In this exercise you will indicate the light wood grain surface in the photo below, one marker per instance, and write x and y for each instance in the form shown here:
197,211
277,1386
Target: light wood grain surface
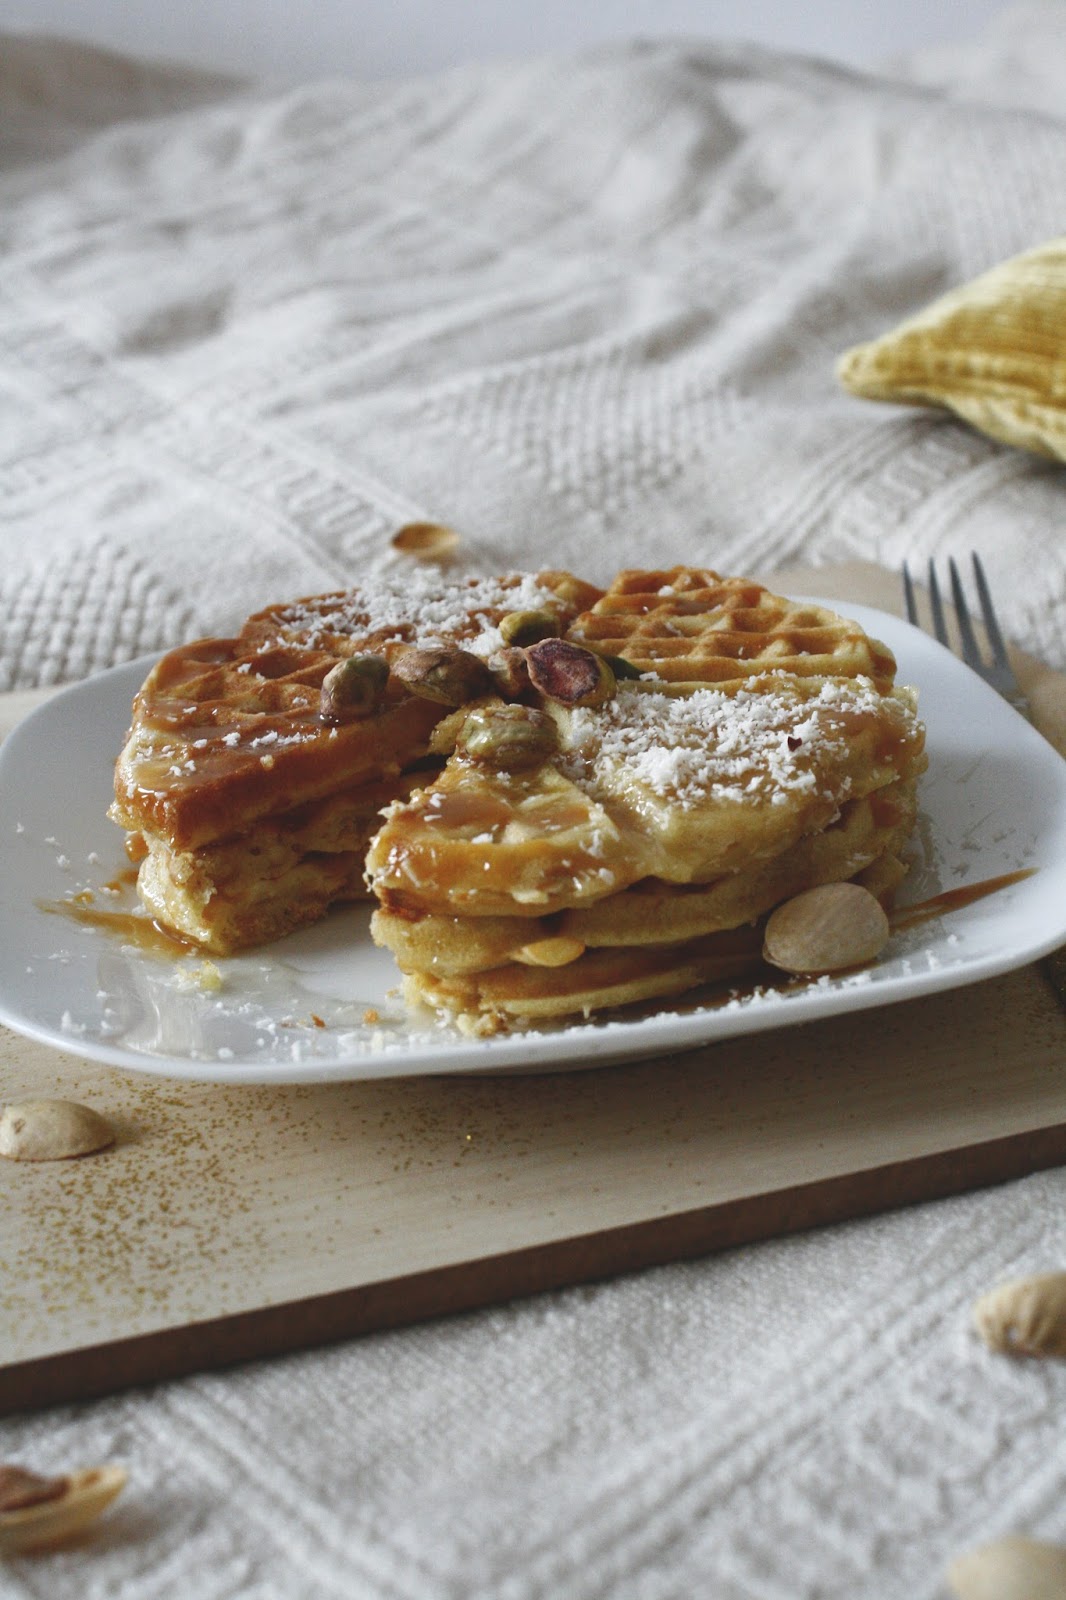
227,1223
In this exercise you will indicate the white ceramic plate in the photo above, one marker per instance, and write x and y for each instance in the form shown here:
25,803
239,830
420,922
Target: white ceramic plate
323,1005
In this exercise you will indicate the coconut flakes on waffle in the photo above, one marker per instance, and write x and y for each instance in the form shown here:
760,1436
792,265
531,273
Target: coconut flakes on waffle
411,605
756,743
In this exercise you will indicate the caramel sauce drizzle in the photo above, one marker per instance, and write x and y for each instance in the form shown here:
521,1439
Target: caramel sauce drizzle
130,927
146,934
953,900
722,993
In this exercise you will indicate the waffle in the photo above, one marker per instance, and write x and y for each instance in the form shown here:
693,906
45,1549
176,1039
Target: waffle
680,788
418,607
600,980
555,977
763,749
866,838
282,874
688,625
228,748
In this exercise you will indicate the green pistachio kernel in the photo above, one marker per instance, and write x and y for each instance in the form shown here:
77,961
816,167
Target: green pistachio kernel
354,688
527,627
508,737
447,675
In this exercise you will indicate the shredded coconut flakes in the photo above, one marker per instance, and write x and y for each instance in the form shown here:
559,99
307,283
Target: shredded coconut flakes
741,746
392,605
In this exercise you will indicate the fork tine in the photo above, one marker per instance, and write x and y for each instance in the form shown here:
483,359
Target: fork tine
998,673
995,638
940,627
971,650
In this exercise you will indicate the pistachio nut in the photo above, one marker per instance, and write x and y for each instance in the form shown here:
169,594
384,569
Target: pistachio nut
354,688
447,675
39,1513
52,1130
1025,1316
569,673
827,929
620,666
527,627
428,541
507,737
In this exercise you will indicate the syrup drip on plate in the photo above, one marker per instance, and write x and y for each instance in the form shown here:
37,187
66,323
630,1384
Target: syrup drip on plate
953,900
130,927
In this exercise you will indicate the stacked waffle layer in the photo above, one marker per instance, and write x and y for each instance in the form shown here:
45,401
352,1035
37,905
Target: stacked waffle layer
638,861
627,784
249,801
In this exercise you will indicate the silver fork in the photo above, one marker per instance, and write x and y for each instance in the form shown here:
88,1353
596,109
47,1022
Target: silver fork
998,671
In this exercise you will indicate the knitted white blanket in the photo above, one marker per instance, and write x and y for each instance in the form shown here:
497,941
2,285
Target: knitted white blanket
586,310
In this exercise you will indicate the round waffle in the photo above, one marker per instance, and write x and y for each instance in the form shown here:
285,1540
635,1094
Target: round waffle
688,625
418,605
227,731
598,980
224,735
681,788
651,912
282,874
607,853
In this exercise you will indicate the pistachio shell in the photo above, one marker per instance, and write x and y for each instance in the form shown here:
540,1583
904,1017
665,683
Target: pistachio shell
1025,1316
48,1522
828,929
510,672
1013,1568
19,1488
428,541
52,1130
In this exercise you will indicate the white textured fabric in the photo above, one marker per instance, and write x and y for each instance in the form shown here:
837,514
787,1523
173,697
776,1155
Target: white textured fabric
584,309
587,311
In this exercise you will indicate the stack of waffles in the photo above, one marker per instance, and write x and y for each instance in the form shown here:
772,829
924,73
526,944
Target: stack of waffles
561,799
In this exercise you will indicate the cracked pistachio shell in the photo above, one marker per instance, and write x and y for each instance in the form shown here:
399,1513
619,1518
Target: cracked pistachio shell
52,1130
828,929
1025,1316
62,1509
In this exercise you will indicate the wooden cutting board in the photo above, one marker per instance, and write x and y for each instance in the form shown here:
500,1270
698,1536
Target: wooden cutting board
232,1223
